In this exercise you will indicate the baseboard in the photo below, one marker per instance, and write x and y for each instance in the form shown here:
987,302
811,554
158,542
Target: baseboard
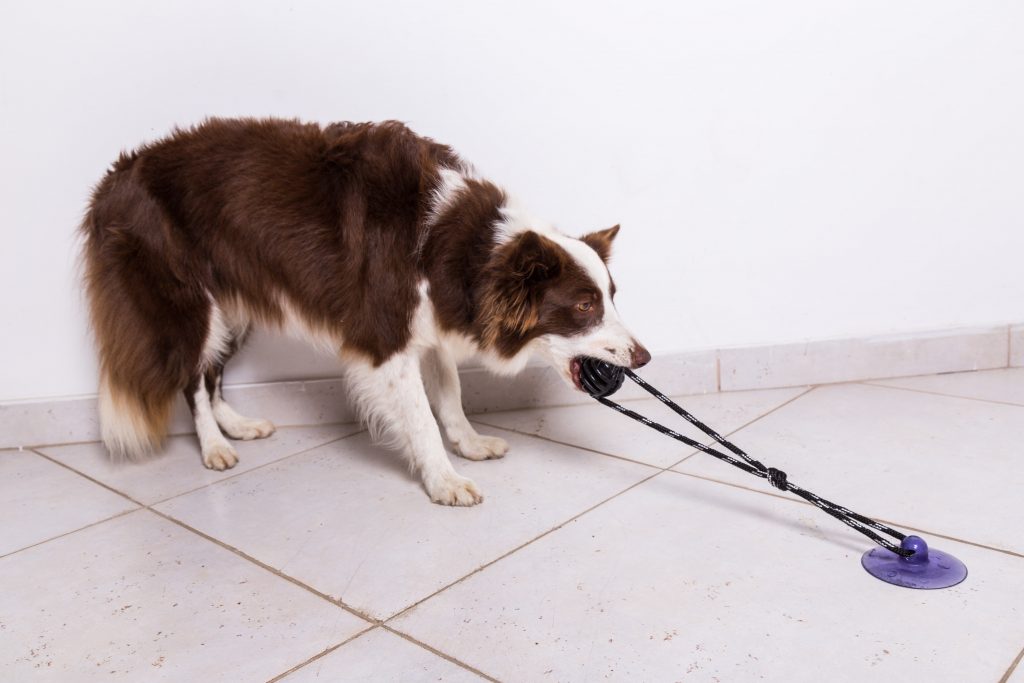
1017,346
33,423
849,360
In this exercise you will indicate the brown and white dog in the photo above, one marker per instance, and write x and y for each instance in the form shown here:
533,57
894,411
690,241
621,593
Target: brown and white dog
371,241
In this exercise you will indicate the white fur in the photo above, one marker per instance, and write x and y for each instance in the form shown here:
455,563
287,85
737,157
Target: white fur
392,399
441,377
238,426
516,219
218,336
218,454
443,198
123,426
211,413
425,330
295,325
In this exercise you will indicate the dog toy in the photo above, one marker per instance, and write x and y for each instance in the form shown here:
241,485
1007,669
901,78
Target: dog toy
910,563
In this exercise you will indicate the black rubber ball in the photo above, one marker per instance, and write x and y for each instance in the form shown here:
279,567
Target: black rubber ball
601,379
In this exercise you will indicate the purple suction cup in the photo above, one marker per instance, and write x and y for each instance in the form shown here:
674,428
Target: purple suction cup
926,569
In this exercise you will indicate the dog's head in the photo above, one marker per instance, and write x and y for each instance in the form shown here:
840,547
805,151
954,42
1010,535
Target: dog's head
555,293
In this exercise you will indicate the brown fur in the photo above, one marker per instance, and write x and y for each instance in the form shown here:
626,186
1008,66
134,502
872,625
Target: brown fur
601,241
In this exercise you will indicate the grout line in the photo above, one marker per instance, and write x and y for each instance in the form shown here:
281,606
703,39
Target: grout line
439,653
734,485
267,567
948,537
326,652
520,546
718,371
1012,348
258,467
1013,667
871,383
90,478
297,425
68,533
58,444
212,483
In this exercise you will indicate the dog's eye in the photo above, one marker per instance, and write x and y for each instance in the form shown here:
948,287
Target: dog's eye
584,306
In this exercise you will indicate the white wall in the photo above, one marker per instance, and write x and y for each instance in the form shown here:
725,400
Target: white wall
783,171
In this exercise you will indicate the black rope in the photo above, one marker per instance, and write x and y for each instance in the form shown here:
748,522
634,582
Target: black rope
602,379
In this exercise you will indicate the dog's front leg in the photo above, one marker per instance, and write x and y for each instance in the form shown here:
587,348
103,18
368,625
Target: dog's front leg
392,399
442,379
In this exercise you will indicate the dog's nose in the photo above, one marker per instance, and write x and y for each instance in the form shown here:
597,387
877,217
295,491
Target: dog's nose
641,356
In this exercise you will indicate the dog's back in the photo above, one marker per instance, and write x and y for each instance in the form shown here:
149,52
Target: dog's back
191,238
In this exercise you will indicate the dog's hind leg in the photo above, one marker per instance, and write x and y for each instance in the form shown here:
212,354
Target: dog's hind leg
221,340
236,426
392,399
218,454
441,376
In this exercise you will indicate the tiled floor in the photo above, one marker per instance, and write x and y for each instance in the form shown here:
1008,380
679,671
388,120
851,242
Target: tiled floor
602,551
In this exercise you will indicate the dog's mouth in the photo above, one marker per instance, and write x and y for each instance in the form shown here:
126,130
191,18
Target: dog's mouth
575,368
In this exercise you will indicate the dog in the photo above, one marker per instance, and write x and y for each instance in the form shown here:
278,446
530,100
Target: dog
379,245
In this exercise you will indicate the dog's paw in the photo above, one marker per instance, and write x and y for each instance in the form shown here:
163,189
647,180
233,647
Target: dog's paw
247,429
220,457
452,489
480,447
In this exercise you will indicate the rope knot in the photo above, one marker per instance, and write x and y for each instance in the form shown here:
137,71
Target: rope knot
777,478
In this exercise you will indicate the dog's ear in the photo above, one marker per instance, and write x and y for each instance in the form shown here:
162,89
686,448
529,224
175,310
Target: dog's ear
516,280
534,258
601,241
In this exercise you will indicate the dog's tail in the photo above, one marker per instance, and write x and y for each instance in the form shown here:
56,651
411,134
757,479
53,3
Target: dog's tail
132,424
144,358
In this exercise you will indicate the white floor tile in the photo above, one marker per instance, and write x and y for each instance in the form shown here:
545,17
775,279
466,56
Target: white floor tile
349,519
40,500
1006,385
179,467
381,657
139,598
600,428
947,465
682,579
